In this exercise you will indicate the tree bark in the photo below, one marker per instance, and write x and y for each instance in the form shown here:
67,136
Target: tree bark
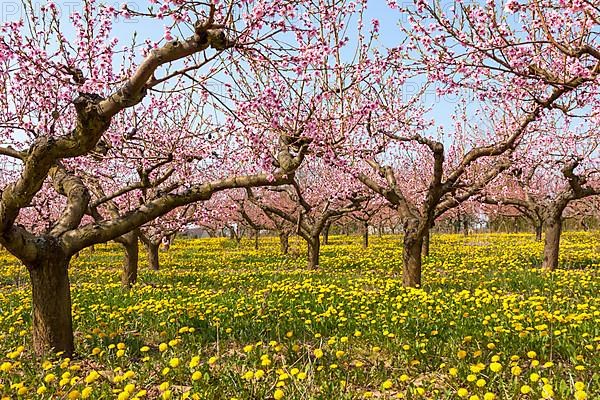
326,233
153,257
411,254
256,234
314,249
284,243
425,245
552,241
365,234
538,232
130,261
52,321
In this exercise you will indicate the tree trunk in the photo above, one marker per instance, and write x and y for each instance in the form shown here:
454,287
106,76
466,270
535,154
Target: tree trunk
538,232
314,249
256,234
552,241
326,233
284,243
130,262
52,321
365,234
411,254
92,249
153,257
425,245
380,231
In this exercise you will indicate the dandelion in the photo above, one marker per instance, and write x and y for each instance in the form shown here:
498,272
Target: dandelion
196,376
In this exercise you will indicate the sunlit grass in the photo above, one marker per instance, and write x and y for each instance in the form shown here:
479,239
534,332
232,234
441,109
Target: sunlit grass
221,322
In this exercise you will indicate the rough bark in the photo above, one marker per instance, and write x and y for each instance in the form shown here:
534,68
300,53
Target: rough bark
256,236
153,257
284,243
130,262
552,241
411,271
365,234
314,250
52,321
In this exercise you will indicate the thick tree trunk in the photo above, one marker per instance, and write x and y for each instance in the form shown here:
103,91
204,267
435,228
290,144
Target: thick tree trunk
284,243
130,261
552,242
365,234
411,253
538,232
256,235
52,321
411,271
314,249
425,245
380,231
153,256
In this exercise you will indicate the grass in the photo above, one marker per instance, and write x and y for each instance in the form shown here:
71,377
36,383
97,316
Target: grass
220,322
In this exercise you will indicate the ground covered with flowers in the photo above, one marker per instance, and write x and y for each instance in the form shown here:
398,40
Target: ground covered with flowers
221,321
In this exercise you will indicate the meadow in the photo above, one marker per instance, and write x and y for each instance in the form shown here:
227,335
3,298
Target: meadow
221,321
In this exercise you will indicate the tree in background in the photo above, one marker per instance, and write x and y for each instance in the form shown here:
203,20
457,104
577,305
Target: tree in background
69,102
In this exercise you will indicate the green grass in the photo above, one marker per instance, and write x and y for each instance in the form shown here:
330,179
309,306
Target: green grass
483,295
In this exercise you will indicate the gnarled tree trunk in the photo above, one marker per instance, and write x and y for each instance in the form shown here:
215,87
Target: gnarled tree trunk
411,254
52,321
284,243
365,234
256,235
552,240
129,274
314,250
153,256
